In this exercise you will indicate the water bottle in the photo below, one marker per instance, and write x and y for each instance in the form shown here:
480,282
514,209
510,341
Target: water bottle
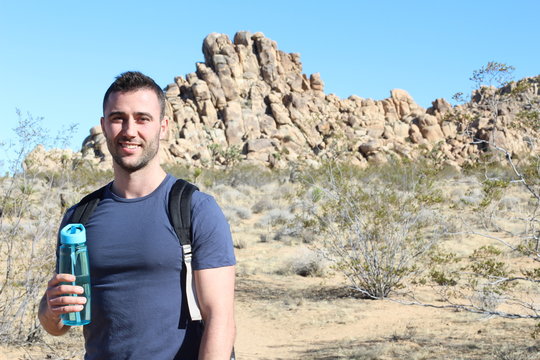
73,259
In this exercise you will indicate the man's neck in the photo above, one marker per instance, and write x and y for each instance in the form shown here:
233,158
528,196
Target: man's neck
137,184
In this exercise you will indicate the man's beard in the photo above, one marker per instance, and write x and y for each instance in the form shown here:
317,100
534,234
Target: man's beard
148,154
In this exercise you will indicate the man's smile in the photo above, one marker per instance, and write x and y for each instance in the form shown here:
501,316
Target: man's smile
125,145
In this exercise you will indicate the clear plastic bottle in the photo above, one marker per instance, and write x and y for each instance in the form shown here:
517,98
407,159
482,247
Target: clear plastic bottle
73,259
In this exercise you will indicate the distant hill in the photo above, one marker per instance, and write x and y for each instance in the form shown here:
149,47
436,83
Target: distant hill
250,101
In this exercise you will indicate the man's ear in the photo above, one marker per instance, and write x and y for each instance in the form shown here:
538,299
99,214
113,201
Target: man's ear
101,122
164,128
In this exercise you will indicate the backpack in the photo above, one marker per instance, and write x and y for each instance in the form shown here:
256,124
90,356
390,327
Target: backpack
180,216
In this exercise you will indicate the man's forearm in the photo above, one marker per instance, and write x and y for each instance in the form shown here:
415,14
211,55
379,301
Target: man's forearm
51,323
215,292
218,339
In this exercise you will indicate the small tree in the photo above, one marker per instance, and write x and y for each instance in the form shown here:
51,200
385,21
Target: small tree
228,157
373,231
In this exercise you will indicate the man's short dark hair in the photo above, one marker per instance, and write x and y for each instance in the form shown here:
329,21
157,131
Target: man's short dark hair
133,81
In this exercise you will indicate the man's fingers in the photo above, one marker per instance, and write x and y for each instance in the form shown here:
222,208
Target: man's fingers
58,278
58,293
64,289
67,300
66,309
66,304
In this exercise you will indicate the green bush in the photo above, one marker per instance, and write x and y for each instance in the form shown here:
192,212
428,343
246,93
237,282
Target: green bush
371,224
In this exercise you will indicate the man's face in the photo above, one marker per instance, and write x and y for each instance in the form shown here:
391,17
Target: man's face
132,126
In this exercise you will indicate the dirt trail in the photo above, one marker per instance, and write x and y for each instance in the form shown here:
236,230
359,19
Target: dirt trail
293,319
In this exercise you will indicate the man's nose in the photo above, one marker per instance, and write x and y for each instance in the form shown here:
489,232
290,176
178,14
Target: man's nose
128,128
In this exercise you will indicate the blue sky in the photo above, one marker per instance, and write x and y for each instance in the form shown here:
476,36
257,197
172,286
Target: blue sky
58,57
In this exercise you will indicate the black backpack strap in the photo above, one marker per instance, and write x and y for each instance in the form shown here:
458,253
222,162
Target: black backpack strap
86,207
180,215
180,209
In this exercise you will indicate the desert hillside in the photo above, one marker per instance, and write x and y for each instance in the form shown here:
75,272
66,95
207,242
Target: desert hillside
251,102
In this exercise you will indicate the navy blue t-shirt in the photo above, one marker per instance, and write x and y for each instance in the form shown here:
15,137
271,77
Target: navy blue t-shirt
135,266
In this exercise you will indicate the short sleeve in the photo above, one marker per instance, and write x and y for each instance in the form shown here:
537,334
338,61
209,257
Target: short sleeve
212,239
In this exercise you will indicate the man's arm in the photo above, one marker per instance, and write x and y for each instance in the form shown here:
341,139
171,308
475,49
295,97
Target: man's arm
54,303
215,293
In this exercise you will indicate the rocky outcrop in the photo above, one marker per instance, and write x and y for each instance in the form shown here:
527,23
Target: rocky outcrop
250,96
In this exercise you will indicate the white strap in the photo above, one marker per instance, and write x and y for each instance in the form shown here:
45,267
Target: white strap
191,296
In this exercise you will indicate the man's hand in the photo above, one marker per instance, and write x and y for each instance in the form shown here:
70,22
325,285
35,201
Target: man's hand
57,301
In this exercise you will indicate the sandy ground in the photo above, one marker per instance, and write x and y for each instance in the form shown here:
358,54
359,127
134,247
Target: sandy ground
309,318
326,322
294,317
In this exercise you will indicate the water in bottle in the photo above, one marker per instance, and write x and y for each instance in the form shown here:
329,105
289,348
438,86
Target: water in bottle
73,259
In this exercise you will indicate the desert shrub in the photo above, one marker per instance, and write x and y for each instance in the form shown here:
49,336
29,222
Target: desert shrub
250,175
262,205
249,192
282,191
226,156
234,176
235,214
286,233
230,215
240,243
510,352
242,212
240,174
456,195
31,212
508,203
275,217
294,233
305,262
472,197
375,234
228,195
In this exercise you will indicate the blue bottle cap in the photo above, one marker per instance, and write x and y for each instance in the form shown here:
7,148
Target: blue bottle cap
73,234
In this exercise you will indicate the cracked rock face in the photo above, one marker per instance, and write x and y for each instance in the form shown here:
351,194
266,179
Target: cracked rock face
253,96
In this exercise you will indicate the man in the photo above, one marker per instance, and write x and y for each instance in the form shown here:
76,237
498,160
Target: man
135,256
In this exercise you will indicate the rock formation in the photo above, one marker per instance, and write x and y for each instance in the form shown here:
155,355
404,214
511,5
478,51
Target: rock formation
252,100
